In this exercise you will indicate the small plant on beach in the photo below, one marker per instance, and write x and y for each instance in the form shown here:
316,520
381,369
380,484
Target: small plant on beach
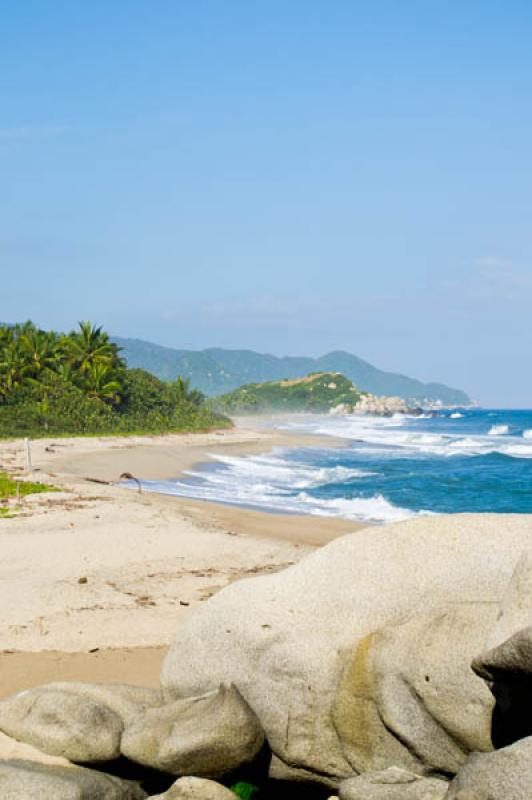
245,790
12,488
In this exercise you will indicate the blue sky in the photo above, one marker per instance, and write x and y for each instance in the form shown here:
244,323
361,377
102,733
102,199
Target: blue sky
293,177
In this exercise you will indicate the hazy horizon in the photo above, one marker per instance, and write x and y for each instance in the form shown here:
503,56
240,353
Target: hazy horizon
293,179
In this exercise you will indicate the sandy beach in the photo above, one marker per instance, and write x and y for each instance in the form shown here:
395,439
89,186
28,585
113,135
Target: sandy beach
96,578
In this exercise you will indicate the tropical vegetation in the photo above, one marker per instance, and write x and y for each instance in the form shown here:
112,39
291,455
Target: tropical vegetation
76,383
10,489
317,392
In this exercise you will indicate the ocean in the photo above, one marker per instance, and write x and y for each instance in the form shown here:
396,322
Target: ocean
386,469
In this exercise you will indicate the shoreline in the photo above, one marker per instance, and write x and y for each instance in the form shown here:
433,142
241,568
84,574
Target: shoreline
99,567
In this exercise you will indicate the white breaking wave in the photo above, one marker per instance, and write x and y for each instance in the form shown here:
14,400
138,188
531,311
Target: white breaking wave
518,451
391,437
456,415
498,430
369,509
279,472
279,484
290,481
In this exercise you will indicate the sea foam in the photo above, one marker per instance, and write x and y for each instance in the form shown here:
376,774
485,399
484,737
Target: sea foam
387,469
498,430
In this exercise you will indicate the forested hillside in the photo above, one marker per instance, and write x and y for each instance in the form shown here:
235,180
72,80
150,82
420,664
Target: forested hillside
216,370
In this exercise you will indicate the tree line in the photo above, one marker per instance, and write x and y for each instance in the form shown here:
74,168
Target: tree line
78,382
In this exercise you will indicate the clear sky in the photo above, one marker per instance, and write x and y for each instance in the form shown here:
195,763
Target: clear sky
292,176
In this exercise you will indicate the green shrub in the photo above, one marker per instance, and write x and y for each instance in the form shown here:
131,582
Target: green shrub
246,791
318,392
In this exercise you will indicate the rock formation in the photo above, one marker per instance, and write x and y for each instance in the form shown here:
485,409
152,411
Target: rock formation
333,654
379,406
393,664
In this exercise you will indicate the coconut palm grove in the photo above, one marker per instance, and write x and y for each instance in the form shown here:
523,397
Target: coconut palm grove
78,382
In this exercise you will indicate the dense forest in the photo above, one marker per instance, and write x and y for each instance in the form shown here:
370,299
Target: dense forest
75,383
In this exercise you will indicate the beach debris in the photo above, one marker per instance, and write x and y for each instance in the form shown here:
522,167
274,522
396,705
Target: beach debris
83,580
20,780
127,476
207,736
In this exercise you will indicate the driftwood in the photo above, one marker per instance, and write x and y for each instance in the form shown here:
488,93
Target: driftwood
127,476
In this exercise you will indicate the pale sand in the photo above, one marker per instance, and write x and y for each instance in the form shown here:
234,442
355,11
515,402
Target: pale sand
100,566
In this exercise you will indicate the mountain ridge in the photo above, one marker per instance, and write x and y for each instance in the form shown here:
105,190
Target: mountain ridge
218,370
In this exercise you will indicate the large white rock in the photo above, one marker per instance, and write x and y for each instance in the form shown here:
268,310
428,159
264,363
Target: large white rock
62,724
78,721
208,736
515,611
286,640
505,774
27,780
192,788
409,696
392,784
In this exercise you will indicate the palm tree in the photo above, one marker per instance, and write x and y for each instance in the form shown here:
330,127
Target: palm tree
13,368
6,336
89,346
100,381
39,349
186,394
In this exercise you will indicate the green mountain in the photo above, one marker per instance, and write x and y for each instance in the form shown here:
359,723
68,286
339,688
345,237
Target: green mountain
317,392
215,371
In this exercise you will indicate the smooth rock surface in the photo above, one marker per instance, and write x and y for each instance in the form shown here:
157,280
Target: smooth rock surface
12,749
516,606
511,660
126,701
504,774
207,736
189,788
26,780
392,784
78,721
409,696
62,724
285,640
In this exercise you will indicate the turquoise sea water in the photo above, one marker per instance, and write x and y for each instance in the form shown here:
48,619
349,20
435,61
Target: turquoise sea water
387,469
